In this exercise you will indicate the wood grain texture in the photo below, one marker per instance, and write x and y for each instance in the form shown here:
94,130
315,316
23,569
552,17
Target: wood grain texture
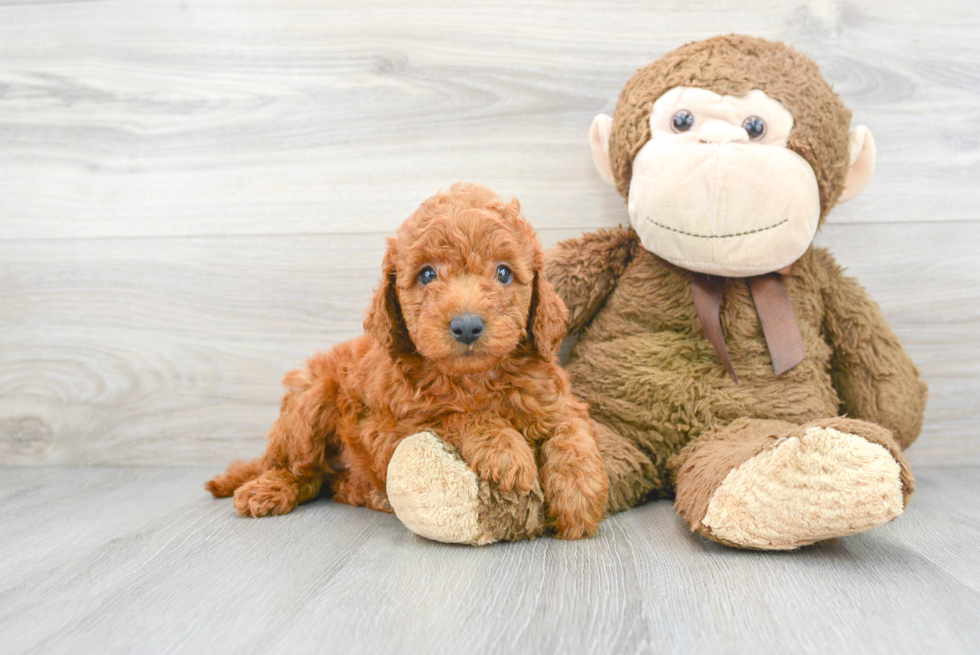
150,351
193,196
270,117
141,560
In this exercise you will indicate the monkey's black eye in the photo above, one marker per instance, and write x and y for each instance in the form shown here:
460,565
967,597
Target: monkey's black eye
682,121
755,126
504,274
426,275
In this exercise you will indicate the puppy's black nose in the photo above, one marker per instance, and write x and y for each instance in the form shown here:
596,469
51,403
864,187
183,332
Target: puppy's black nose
466,328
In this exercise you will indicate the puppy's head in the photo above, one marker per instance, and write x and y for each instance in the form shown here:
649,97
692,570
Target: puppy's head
463,287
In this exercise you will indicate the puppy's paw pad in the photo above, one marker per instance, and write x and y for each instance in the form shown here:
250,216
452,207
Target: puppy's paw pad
821,485
510,469
434,492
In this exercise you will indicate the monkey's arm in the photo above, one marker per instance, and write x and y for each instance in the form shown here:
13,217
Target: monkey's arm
584,270
874,376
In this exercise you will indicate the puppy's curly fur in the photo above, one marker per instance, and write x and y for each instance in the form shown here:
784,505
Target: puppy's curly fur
503,400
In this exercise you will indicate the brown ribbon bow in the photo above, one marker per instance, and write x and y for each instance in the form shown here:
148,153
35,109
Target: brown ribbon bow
775,313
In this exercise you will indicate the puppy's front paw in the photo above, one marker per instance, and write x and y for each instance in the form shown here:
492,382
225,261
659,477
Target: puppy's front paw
580,516
510,468
576,498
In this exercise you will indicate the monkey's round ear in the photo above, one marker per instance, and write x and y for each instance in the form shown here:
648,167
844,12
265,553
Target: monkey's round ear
862,164
599,142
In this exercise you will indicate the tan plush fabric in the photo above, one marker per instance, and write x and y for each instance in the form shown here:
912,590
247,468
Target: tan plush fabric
733,487
817,485
649,374
438,496
712,200
434,493
862,165
734,65
704,464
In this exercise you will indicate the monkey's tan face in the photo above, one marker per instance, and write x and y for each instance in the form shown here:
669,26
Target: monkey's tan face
716,190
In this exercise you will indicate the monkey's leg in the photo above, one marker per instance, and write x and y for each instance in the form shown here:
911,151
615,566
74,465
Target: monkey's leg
436,494
773,485
632,476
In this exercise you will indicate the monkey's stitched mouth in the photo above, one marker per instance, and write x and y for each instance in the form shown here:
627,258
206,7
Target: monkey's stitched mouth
716,236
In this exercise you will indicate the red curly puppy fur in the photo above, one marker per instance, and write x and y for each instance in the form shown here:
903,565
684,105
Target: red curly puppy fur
502,399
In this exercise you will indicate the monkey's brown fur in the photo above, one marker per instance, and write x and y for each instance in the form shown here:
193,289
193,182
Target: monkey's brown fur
504,402
642,361
648,372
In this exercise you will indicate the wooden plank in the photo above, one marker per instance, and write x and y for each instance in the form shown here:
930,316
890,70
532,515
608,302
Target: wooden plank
170,351
115,560
261,117
863,593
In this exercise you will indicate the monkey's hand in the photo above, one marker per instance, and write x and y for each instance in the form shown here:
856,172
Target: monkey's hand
873,374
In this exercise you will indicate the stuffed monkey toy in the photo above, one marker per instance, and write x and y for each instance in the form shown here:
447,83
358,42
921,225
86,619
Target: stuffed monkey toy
727,362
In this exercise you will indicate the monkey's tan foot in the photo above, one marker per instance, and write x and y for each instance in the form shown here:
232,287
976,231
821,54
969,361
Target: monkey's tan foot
436,494
771,485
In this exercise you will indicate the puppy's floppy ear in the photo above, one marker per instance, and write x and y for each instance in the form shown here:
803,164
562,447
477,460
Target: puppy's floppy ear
384,319
547,319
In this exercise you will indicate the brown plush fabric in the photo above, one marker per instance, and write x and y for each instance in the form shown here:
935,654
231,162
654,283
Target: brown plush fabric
597,260
734,65
701,467
650,375
668,418
631,473
511,515
642,360
876,379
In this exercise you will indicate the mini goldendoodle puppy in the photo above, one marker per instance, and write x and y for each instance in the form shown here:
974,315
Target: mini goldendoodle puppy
461,340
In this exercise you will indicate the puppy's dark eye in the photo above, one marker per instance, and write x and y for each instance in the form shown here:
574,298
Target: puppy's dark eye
682,121
504,274
426,275
755,126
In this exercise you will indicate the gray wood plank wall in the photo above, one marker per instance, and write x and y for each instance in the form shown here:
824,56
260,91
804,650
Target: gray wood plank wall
194,195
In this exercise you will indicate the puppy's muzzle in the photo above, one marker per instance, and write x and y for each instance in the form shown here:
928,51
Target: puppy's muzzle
466,328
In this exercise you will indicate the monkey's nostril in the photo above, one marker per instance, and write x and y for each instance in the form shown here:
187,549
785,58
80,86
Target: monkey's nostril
466,328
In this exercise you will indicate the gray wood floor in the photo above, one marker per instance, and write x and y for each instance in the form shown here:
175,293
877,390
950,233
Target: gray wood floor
194,196
141,560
